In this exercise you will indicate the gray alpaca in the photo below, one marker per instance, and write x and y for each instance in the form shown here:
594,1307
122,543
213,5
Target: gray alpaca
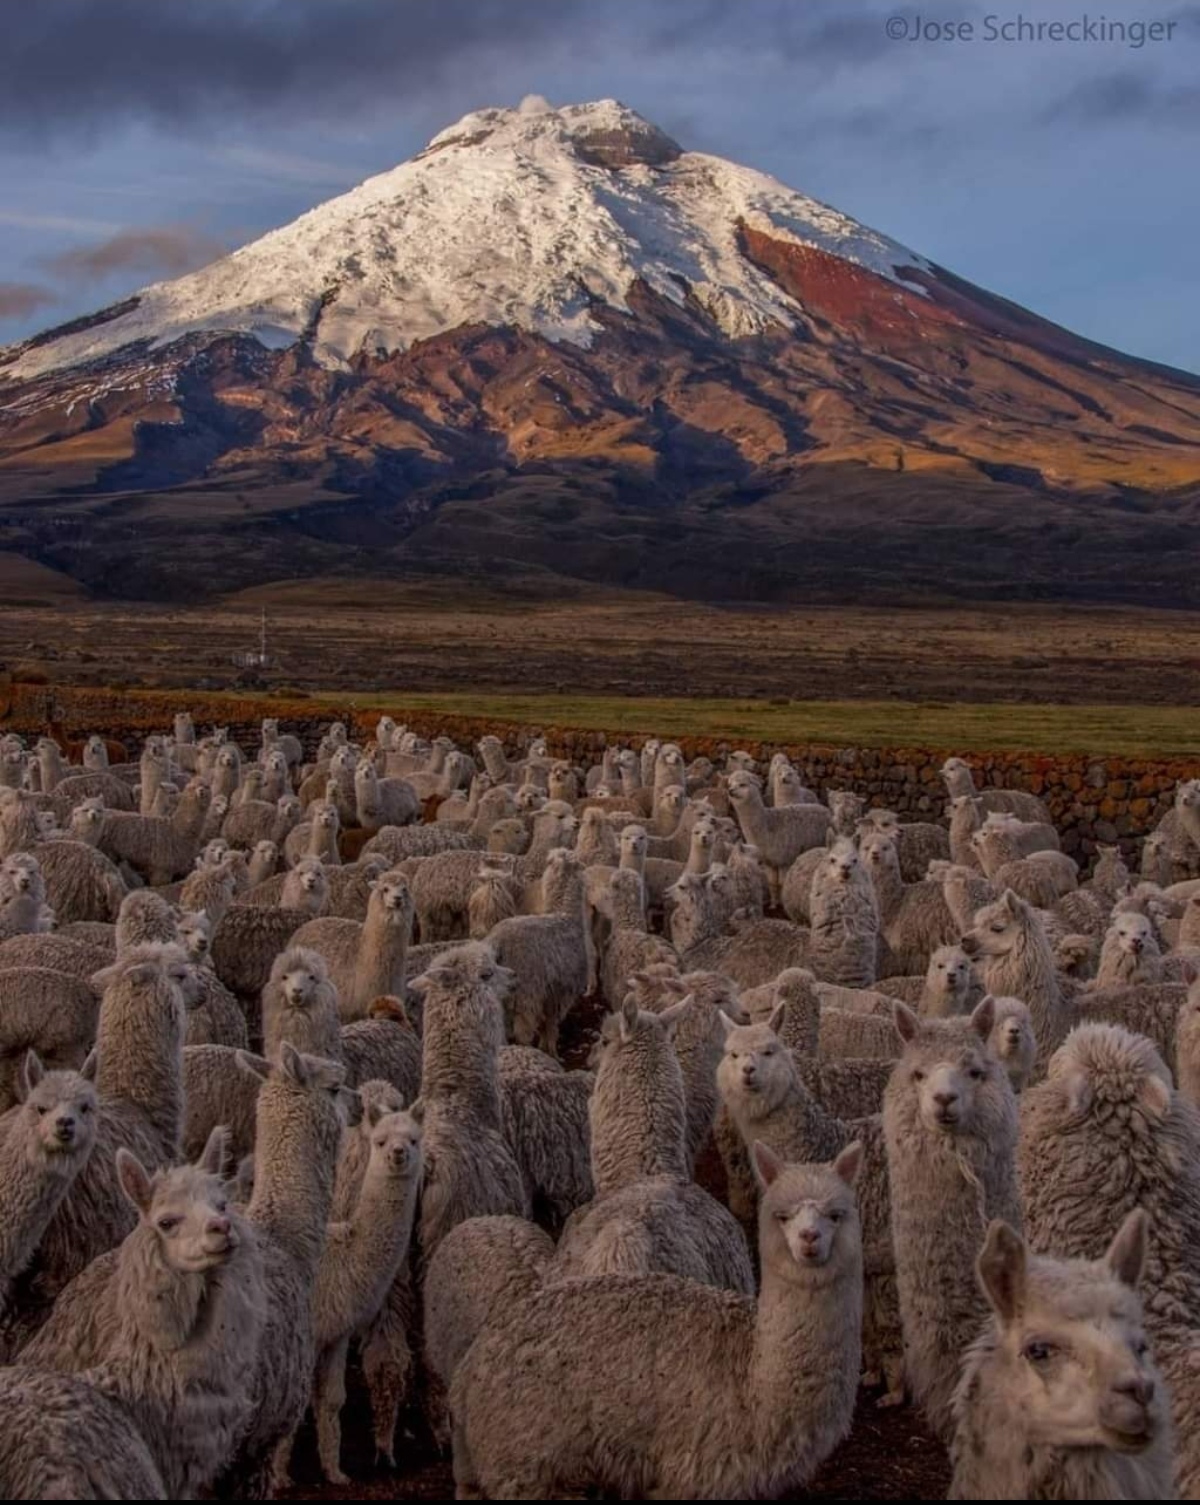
950,1123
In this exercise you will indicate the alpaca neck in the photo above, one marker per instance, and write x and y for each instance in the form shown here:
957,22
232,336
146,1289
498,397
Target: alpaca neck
188,819
322,843
637,1134
889,889
382,954
699,860
35,1184
801,1313
140,1047
293,1184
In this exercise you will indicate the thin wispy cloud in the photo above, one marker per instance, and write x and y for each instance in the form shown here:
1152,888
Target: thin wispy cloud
157,251
70,224
20,299
289,167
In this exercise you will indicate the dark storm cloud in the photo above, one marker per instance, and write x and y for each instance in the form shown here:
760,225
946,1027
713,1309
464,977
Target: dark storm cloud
75,63
1126,98
20,299
165,250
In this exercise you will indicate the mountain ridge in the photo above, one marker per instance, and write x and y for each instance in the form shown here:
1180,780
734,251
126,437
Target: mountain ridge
563,342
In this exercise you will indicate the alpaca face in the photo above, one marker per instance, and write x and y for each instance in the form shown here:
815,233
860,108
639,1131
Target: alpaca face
300,984
755,1067
1132,935
950,971
1070,1345
213,855
195,934
189,1215
20,875
999,928
393,896
808,1218
61,1106
396,1145
947,1077
878,852
1012,1041
841,863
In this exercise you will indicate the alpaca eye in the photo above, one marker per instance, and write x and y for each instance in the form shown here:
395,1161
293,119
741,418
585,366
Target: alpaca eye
836,1215
41,1112
976,1074
918,1076
168,1225
1038,1353
85,1108
782,1217
997,929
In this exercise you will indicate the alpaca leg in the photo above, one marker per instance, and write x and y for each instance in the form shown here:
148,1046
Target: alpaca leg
328,1401
387,1366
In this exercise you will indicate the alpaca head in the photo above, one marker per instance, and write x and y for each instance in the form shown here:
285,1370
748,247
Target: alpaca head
808,1220
20,874
395,1141
947,1067
1067,1348
301,978
185,1209
1000,927
840,865
59,1108
949,971
391,896
756,1068
1132,935
957,776
195,934
878,853
1012,1040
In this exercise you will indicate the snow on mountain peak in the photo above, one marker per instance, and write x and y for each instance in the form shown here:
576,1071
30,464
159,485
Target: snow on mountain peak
522,216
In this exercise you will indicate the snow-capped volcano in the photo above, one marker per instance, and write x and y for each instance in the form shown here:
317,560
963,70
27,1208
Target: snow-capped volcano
526,217
557,345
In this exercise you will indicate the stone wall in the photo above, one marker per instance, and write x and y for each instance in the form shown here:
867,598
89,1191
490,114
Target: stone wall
1091,798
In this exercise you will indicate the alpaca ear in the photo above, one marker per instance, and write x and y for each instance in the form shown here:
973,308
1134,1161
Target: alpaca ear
984,1017
1013,903
629,1018
1079,1093
373,1111
1155,1098
1001,1270
252,1065
767,1163
32,1072
778,1014
91,1063
672,1016
215,1155
906,1022
134,1180
1126,1256
416,1110
101,981
1190,973
849,1162
727,1024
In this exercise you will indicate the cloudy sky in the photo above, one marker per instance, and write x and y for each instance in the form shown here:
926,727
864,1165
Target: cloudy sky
140,138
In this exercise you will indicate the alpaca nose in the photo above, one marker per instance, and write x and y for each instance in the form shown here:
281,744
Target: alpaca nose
1137,943
64,1129
945,1099
218,1225
810,1239
1138,1387
749,1072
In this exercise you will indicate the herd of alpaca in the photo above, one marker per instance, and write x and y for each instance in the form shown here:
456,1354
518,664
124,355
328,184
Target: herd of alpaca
874,1106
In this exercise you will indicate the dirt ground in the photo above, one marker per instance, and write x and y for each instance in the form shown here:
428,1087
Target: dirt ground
344,639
